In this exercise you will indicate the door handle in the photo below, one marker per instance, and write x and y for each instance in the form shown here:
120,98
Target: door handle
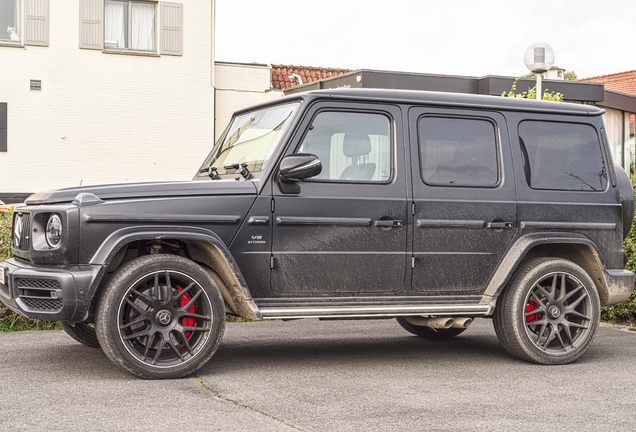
500,225
387,223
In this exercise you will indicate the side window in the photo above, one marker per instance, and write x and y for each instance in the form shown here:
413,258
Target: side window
351,146
562,156
458,151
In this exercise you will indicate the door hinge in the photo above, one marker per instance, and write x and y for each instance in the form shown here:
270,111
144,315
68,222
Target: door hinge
412,262
413,209
273,205
271,262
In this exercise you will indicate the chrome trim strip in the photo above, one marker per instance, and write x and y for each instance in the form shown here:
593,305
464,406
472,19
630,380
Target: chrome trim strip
444,223
531,225
373,311
289,220
165,218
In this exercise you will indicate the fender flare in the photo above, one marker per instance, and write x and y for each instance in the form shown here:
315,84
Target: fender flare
519,250
205,247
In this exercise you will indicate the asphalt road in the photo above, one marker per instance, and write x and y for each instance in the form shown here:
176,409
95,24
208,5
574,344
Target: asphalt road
322,376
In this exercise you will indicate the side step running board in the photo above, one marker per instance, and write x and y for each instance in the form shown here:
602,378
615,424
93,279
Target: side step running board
373,311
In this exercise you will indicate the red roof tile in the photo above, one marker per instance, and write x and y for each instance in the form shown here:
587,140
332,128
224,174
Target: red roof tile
281,73
624,82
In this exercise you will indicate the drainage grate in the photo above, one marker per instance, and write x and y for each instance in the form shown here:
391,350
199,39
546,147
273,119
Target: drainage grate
36,85
40,304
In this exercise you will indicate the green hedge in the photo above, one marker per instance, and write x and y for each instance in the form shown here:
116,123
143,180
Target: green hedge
9,321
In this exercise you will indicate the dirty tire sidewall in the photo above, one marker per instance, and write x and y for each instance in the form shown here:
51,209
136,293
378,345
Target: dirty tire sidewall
509,317
107,320
82,333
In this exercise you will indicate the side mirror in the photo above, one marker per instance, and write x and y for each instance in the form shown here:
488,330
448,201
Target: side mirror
295,168
299,166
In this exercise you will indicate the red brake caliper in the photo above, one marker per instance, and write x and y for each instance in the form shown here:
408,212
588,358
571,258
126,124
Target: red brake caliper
530,306
187,321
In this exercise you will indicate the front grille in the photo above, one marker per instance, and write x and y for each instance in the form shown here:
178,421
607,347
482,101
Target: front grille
44,284
22,231
49,305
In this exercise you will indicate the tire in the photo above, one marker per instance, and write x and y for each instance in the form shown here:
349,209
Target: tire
160,317
427,332
82,332
549,313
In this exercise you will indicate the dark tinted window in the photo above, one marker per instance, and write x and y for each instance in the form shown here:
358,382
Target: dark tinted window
562,156
458,151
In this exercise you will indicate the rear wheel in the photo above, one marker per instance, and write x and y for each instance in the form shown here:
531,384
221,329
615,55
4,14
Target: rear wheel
427,332
549,313
160,316
83,333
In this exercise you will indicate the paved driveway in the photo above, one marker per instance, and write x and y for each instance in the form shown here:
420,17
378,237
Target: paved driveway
322,376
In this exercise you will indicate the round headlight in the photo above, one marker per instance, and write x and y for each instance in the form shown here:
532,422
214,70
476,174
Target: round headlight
54,231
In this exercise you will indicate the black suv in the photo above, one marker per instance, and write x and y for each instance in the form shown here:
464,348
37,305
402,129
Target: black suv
431,208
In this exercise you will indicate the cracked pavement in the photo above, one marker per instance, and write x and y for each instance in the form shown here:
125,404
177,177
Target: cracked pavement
321,376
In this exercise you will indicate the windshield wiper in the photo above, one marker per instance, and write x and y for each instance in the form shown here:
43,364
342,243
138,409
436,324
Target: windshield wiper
242,169
212,172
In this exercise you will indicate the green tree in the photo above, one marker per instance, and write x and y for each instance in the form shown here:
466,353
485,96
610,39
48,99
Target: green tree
532,93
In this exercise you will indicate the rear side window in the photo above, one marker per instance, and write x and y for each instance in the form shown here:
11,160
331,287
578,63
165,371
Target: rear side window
562,156
458,151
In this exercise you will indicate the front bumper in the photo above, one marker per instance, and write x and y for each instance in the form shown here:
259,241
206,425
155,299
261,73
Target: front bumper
50,293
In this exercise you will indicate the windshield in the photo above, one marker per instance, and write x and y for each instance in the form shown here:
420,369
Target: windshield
250,140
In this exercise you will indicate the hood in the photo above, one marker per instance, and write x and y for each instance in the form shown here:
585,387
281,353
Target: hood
146,190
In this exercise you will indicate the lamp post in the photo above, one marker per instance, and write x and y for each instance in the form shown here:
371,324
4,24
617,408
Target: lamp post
539,58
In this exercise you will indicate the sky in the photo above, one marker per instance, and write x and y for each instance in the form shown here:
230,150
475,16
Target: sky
450,37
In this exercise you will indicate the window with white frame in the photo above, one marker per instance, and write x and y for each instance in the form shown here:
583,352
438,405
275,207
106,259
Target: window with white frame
24,22
129,25
10,20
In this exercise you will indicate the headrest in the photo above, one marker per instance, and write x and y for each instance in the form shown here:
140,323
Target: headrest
356,144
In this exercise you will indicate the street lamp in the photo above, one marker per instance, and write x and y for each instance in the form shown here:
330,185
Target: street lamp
539,58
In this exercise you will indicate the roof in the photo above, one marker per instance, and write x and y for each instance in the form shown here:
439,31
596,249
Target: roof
623,82
434,98
281,73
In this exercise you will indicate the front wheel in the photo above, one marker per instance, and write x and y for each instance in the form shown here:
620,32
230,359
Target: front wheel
549,313
160,316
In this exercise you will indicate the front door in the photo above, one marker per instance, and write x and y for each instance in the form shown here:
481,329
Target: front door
464,198
344,233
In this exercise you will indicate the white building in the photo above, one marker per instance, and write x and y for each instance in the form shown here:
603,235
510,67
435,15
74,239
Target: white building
239,85
102,91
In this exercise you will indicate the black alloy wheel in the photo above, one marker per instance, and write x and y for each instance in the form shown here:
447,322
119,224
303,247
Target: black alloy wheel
161,316
549,313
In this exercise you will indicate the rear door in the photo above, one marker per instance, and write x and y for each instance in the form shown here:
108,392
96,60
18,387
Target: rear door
343,234
464,198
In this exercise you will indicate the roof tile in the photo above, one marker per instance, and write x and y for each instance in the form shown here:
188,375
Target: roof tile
624,82
281,80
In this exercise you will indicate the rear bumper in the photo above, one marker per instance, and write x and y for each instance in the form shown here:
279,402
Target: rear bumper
620,285
49,293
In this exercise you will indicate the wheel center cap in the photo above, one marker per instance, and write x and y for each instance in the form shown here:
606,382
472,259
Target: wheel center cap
554,312
164,317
